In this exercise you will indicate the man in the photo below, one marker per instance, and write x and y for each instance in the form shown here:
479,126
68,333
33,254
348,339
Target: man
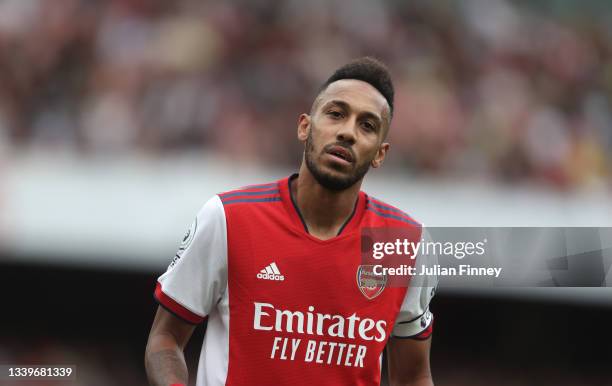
276,268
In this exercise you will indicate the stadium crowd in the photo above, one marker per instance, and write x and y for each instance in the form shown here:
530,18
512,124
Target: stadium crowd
491,89
503,90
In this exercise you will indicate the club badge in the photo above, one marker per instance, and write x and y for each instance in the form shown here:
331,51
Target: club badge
370,284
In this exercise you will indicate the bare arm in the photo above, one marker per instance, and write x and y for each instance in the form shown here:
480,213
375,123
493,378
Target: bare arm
164,359
408,361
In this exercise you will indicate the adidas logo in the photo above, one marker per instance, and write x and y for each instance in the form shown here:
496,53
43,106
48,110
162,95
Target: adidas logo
271,272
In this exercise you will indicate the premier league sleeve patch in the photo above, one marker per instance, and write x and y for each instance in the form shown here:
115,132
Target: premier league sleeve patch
185,243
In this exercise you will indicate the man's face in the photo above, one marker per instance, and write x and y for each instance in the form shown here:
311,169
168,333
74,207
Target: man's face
344,135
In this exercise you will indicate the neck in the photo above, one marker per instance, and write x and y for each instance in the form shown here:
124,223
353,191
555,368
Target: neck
324,211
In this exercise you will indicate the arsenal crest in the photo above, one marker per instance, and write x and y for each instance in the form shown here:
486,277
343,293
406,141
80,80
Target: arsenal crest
370,284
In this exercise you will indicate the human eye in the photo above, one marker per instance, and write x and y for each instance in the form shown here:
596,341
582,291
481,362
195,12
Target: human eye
335,114
368,126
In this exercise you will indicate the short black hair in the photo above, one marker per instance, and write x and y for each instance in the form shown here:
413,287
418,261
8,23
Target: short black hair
369,70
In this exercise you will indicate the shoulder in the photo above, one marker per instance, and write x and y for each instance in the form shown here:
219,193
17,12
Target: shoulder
380,211
260,193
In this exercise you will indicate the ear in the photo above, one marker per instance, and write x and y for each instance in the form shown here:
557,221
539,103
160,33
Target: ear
303,127
380,155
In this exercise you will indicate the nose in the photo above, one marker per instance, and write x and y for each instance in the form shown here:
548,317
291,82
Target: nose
346,132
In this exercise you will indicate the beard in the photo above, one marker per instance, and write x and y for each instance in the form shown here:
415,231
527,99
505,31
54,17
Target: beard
328,180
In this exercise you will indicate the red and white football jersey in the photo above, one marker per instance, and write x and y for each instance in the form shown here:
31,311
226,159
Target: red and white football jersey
284,307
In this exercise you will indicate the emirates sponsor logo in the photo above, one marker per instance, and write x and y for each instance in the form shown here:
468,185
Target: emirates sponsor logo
308,322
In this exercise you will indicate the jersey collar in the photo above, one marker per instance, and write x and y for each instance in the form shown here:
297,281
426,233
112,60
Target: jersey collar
351,223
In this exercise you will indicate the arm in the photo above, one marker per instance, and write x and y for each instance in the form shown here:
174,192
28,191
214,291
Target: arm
164,359
410,342
408,362
188,291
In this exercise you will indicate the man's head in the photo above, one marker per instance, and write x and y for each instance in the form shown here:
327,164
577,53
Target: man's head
349,120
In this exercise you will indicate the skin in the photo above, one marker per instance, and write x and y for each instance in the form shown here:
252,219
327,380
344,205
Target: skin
351,114
164,359
408,362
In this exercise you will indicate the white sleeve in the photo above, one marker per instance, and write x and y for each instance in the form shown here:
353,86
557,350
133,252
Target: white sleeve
197,276
415,320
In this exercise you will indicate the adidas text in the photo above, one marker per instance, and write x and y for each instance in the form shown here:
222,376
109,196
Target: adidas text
268,276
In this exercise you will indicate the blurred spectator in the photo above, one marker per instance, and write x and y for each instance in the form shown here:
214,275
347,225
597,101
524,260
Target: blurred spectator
485,88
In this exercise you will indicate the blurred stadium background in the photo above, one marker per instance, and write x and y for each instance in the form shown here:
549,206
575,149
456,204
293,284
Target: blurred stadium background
119,118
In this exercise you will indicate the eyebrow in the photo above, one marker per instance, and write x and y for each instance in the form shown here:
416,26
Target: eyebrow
344,105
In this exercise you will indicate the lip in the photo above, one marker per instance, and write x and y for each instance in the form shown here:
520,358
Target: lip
340,153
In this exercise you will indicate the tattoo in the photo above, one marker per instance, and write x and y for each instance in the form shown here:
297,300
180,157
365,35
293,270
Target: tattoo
166,367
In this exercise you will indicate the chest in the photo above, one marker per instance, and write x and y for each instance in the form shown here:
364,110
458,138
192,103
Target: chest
270,261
